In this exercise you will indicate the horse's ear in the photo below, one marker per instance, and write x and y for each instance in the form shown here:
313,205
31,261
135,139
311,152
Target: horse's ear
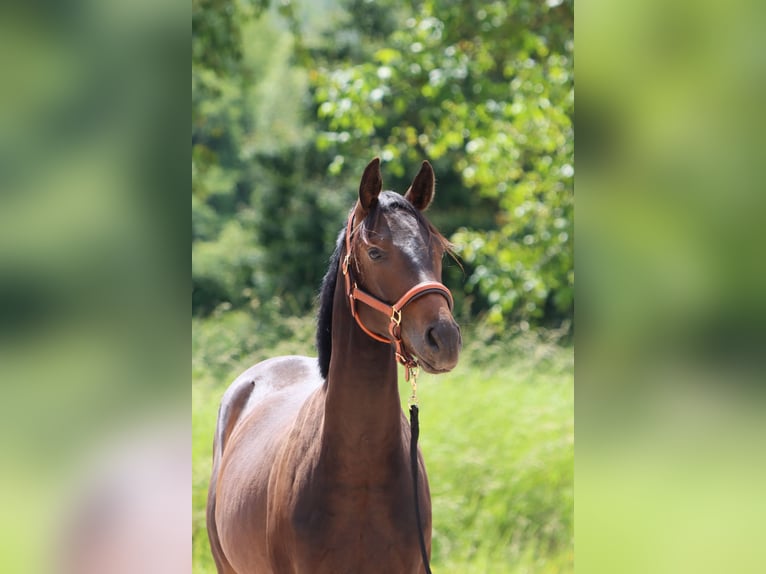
421,192
370,186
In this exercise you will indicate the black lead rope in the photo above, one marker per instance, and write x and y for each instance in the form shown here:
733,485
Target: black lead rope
414,432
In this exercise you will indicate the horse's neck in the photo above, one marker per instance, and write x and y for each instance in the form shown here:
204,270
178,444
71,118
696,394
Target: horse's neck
362,422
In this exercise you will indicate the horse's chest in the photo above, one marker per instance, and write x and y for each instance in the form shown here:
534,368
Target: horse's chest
364,548
358,532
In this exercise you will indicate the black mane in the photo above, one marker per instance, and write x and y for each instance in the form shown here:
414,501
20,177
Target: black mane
324,316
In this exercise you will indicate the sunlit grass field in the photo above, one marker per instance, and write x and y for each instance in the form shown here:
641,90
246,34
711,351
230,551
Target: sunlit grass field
497,435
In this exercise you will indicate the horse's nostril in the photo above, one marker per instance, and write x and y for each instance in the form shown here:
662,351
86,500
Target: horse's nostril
432,338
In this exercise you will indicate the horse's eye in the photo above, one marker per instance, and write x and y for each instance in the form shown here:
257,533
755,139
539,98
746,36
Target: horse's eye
374,253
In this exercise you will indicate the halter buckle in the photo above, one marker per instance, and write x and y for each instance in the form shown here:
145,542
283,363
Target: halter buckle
346,260
396,316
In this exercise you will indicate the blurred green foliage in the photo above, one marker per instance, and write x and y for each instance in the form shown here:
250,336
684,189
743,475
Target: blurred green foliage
290,102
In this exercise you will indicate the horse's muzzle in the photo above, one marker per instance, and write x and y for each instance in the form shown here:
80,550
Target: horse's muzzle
438,347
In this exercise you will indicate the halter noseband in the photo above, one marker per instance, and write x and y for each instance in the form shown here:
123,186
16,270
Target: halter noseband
394,311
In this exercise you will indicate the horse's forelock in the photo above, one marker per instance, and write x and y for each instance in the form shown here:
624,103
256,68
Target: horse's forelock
392,201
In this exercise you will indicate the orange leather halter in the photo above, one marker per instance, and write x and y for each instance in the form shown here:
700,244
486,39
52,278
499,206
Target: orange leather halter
393,311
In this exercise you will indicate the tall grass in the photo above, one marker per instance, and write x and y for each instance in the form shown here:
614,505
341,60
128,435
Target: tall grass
497,434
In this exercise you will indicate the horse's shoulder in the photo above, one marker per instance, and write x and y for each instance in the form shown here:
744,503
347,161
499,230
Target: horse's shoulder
288,376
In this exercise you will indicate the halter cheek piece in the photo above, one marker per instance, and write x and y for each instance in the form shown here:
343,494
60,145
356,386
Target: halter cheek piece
394,311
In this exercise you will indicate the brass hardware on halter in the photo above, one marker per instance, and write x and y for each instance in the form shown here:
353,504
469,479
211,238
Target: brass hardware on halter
396,316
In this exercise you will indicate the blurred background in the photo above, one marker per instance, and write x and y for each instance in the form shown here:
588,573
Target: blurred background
670,364
290,101
94,297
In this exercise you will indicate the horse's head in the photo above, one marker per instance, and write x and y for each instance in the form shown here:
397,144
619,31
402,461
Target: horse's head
395,255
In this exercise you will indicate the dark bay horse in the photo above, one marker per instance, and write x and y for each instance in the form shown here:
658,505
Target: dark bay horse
310,464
